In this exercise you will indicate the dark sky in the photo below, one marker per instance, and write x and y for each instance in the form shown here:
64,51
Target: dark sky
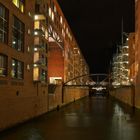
96,25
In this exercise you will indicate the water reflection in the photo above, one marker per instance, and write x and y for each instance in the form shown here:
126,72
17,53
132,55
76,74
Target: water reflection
90,118
25,133
32,134
121,128
76,120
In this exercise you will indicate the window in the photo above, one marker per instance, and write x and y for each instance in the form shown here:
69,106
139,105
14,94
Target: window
43,76
52,16
3,24
61,20
36,74
50,11
3,65
19,4
18,35
37,8
17,69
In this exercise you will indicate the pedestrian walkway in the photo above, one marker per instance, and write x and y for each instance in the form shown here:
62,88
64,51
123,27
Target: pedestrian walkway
87,119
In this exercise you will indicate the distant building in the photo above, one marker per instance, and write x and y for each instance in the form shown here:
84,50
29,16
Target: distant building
124,63
137,52
65,60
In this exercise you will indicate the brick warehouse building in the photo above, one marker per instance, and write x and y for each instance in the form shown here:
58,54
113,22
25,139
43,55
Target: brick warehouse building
37,47
137,52
62,48
131,95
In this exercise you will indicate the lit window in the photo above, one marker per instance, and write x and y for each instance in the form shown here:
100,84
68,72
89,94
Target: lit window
3,65
18,35
52,16
50,12
36,74
46,34
19,4
29,31
17,69
67,31
28,67
36,57
64,26
63,33
36,25
61,20
3,24
28,49
55,9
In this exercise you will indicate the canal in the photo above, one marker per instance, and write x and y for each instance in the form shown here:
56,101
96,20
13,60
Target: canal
94,118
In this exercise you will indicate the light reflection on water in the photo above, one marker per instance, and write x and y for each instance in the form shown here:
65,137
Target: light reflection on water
77,120
24,134
121,128
88,119
33,134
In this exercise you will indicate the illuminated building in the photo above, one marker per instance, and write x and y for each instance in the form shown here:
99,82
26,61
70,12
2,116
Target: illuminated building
132,60
124,63
37,47
137,52
65,60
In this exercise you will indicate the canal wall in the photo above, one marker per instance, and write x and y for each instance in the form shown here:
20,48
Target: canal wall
69,94
30,102
124,94
55,99
20,103
74,93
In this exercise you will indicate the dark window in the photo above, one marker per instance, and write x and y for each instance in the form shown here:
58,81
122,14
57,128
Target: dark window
37,8
17,69
3,24
3,65
43,75
18,35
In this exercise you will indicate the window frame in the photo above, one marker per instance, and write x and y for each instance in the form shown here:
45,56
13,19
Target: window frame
18,34
5,64
17,71
4,24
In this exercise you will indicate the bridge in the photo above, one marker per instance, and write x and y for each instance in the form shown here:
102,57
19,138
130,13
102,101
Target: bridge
95,81
98,79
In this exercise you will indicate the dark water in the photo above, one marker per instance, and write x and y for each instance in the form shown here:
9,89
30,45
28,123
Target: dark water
87,119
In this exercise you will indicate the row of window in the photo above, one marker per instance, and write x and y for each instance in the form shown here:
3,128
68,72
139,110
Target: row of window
60,24
17,67
51,11
18,29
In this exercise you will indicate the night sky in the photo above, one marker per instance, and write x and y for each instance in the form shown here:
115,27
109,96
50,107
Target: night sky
96,26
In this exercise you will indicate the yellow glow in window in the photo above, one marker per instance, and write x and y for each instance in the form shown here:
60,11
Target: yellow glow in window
19,4
36,57
36,25
36,74
22,8
16,2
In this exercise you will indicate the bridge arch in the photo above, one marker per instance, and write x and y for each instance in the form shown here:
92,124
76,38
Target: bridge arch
97,75
98,82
